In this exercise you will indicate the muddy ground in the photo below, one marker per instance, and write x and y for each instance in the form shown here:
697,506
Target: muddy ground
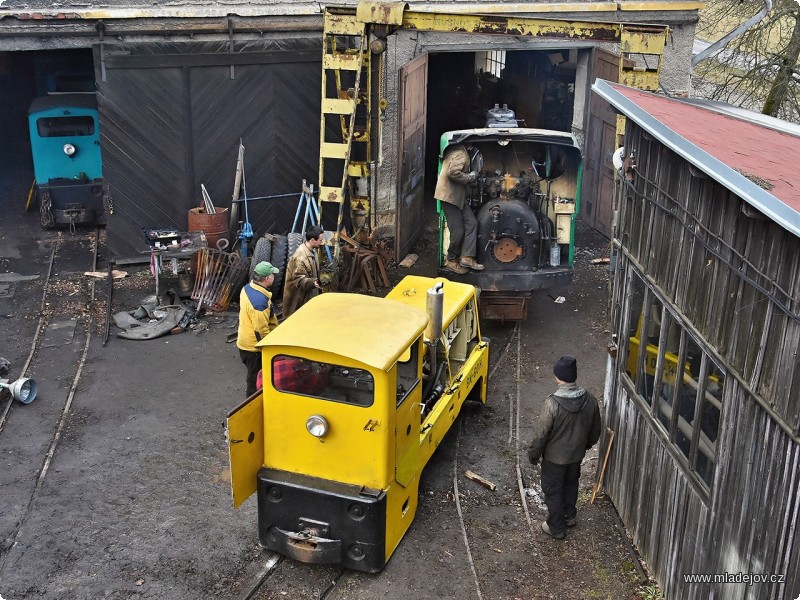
135,500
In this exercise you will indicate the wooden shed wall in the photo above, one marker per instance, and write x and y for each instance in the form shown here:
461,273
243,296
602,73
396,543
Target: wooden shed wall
750,525
736,278
732,278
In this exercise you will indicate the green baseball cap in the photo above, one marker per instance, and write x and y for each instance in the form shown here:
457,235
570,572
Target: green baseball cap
264,268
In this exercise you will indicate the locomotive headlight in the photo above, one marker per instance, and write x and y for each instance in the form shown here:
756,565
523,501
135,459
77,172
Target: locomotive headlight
69,149
317,425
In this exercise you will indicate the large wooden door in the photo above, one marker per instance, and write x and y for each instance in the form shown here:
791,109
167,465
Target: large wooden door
172,115
411,163
598,177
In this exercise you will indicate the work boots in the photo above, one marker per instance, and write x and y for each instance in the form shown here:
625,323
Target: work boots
469,262
452,265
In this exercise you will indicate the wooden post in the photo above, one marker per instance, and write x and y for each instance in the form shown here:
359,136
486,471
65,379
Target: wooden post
599,484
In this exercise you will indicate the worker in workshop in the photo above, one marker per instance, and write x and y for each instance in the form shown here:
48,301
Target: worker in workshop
451,191
568,426
302,272
256,319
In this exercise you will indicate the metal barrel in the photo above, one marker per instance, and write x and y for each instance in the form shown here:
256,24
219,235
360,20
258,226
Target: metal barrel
214,226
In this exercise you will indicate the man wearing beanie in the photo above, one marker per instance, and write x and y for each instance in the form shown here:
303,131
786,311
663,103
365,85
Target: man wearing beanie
568,426
256,319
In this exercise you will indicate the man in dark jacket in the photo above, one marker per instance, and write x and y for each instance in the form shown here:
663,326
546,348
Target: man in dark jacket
568,426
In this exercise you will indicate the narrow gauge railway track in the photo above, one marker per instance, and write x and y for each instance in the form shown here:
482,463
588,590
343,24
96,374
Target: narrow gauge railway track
278,575
31,434
512,346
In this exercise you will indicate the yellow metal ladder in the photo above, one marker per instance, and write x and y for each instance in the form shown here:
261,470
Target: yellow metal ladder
345,120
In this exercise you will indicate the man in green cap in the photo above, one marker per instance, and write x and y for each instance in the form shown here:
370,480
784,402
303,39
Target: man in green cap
256,319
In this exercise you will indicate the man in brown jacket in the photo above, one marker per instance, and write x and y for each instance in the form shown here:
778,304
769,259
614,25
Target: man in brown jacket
302,272
451,191
568,426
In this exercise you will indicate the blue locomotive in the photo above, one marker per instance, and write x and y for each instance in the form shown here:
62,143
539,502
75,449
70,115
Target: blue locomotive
65,144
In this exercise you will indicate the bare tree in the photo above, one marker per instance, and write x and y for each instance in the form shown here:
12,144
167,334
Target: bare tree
757,70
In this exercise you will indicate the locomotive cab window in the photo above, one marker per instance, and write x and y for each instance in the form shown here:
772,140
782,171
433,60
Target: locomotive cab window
65,126
407,371
321,380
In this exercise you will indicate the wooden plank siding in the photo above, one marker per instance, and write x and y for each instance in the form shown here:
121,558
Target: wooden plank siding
194,114
732,279
750,525
684,243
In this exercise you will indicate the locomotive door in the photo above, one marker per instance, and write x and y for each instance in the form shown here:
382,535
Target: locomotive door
244,429
411,154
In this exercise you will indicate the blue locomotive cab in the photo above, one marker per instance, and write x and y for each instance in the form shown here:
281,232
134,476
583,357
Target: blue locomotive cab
65,144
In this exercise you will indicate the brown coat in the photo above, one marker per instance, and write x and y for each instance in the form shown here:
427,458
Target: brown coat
451,187
301,273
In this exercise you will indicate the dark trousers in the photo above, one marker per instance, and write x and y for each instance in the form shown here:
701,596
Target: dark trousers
463,228
251,360
560,487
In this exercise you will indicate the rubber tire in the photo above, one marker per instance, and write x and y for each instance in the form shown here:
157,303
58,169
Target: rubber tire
279,258
263,251
295,239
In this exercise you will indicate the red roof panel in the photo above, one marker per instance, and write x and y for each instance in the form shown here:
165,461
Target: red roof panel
751,149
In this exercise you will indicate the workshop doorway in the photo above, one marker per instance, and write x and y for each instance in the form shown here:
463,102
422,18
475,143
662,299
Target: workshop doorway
24,76
547,88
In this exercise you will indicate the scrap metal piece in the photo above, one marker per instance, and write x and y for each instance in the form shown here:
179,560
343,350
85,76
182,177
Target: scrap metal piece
153,330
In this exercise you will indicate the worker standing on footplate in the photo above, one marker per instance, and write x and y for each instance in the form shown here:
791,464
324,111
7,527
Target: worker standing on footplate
451,191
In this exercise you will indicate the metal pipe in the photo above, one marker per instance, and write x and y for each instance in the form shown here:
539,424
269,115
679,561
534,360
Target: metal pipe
434,306
723,41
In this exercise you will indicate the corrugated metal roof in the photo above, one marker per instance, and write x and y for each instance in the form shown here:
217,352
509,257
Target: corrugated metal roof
732,146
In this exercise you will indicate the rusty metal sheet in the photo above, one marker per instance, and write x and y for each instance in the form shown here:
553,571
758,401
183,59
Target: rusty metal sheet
639,41
538,28
382,13
643,80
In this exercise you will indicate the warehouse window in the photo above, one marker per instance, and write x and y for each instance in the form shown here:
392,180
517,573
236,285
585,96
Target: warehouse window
495,62
680,385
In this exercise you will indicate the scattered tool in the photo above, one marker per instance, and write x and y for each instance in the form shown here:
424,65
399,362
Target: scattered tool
247,229
599,484
209,205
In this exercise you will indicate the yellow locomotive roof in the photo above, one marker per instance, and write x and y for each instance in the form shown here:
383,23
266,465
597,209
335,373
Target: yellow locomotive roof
370,330
413,291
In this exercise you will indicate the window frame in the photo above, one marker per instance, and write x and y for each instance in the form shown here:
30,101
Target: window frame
651,406
370,381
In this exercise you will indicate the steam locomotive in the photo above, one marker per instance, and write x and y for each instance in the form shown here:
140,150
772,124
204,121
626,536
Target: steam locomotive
525,200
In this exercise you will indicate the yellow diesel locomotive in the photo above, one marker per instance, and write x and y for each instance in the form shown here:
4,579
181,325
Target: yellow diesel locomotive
358,393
